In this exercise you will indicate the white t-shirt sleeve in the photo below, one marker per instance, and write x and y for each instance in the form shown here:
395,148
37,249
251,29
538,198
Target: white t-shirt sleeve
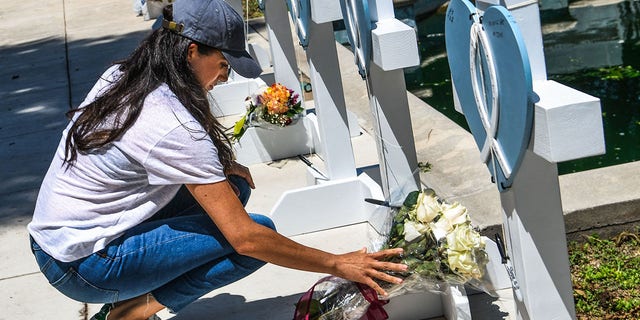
184,156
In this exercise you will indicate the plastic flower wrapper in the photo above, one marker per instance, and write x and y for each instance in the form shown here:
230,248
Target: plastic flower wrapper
441,249
334,298
270,107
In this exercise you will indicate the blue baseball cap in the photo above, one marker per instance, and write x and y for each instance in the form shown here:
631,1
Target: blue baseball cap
216,24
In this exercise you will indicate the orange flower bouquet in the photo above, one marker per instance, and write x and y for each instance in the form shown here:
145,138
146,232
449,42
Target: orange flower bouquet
271,107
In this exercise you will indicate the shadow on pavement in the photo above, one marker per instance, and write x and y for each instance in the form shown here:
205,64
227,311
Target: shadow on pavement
234,307
486,305
39,81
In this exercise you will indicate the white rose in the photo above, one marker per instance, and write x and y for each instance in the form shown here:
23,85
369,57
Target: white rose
428,208
464,238
463,264
413,230
441,228
455,213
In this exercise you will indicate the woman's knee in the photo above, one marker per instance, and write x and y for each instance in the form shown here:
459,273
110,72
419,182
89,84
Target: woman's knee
263,220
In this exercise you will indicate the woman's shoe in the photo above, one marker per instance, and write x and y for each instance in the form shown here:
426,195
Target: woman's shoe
106,309
103,313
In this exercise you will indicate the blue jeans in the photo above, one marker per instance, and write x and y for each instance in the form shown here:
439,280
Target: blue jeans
178,255
243,188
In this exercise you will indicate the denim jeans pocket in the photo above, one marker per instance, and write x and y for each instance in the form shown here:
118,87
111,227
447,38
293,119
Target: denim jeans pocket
76,287
43,260
65,279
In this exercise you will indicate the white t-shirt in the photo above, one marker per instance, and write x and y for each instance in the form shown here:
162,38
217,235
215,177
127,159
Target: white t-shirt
81,209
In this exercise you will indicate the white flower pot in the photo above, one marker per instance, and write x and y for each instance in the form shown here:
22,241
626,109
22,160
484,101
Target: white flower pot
259,145
228,98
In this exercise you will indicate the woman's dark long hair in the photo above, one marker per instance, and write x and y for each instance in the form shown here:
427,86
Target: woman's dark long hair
160,58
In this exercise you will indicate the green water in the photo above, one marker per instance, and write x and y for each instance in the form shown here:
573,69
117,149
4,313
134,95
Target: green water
588,58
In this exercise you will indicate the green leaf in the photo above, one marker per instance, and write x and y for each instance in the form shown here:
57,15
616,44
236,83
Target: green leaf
428,268
411,199
238,128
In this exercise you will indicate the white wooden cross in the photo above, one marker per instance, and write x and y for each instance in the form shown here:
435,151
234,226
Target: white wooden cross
281,45
392,47
314,207
565,124
334,144
382,47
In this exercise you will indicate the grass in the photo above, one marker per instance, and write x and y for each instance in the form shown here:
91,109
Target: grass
606,277
254,8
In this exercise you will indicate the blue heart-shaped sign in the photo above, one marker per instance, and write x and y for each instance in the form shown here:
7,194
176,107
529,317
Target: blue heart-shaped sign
358,25
492,78
300,11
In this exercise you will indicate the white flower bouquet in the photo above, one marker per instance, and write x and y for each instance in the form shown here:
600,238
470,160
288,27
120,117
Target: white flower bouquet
441,248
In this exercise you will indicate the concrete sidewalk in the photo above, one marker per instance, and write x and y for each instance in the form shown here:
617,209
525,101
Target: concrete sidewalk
53,51
51,54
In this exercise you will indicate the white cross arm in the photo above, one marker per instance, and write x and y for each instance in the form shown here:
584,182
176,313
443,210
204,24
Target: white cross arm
567,123
323,11
394,45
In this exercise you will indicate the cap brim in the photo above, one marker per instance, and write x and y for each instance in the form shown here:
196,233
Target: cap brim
242,63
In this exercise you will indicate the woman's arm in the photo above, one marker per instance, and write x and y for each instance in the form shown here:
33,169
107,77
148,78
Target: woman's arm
254,240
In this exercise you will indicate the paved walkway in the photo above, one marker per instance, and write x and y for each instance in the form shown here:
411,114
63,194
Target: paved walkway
51,53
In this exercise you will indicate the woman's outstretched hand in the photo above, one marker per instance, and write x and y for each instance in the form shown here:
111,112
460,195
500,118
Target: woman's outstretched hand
363,267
